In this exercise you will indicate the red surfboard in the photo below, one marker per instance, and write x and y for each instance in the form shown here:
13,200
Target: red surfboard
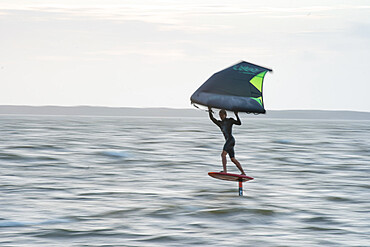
230,176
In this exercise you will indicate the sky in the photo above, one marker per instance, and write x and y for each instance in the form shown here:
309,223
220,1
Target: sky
156,53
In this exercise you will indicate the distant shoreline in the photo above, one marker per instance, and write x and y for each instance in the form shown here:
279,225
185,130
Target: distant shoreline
171,112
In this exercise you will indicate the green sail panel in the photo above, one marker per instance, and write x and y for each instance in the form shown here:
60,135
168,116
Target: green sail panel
258,80
259,100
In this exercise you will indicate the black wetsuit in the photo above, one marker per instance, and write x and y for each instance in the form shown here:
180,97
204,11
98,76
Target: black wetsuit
226,128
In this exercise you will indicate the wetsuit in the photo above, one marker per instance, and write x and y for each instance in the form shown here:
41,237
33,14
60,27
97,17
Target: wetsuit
226,128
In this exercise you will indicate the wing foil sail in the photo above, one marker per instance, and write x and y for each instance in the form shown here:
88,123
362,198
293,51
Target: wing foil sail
236,88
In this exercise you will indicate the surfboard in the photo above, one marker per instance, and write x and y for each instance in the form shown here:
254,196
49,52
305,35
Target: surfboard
230,176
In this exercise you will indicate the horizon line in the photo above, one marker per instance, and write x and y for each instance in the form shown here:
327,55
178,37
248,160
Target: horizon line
169,108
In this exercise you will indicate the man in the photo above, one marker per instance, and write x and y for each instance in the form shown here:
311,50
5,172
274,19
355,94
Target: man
226,125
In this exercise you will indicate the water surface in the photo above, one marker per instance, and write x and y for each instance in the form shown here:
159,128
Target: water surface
116,181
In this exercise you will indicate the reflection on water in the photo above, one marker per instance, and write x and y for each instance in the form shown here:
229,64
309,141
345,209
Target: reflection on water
84,181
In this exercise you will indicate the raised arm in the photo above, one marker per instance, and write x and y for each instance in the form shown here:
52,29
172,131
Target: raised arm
237,122
210,112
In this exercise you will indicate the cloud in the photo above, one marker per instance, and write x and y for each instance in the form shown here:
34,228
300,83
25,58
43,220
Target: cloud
173,12
147,52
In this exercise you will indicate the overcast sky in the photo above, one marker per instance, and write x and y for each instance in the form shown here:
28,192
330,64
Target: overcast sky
156,53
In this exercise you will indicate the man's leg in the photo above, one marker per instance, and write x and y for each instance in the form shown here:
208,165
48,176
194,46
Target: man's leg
236,162
224,161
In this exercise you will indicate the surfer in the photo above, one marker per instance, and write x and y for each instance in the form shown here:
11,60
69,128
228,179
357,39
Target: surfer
226,125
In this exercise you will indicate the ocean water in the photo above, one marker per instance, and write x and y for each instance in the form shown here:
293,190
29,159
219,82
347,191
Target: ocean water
119,181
